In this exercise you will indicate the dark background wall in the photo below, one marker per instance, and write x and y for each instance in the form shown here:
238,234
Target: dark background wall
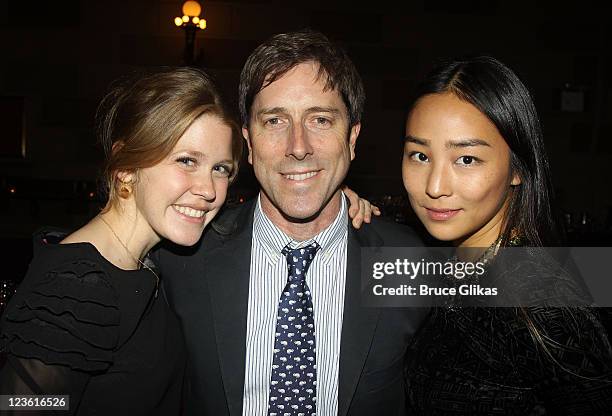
58,58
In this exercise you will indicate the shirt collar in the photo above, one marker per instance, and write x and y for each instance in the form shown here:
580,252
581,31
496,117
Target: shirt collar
273,240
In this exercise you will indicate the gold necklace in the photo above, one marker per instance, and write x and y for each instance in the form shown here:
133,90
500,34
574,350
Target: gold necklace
136,259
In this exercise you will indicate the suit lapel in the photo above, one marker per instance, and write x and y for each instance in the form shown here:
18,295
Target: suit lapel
358,326
229,289
228,269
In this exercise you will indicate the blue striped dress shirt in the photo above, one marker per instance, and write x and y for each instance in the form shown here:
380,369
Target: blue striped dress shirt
268,276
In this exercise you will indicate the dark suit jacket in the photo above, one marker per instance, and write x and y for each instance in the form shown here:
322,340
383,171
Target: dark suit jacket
207,285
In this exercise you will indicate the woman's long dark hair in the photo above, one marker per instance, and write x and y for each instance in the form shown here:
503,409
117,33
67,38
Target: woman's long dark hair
499,94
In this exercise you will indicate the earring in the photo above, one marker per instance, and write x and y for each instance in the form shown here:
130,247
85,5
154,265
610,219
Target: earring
516,238
125,189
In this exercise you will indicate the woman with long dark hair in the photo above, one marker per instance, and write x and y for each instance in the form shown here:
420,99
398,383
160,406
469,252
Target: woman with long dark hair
477,176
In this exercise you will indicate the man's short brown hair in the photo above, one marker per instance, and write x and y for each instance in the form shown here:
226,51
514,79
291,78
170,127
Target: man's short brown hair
273,58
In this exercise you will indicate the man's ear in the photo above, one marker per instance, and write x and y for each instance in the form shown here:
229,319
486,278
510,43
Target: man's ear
353,138
247,138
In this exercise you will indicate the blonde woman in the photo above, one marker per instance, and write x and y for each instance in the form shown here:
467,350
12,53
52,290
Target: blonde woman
90,319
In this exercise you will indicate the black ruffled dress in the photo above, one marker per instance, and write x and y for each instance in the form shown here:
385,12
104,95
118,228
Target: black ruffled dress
78,325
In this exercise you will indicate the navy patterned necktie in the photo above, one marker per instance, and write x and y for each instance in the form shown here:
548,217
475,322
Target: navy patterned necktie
293,385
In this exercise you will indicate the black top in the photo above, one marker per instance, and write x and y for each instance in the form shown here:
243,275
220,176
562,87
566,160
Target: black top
513,361
103,335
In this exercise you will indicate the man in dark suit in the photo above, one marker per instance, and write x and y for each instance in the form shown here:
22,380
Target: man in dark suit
270,299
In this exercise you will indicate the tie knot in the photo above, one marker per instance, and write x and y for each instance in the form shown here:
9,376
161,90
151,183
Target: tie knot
299,259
